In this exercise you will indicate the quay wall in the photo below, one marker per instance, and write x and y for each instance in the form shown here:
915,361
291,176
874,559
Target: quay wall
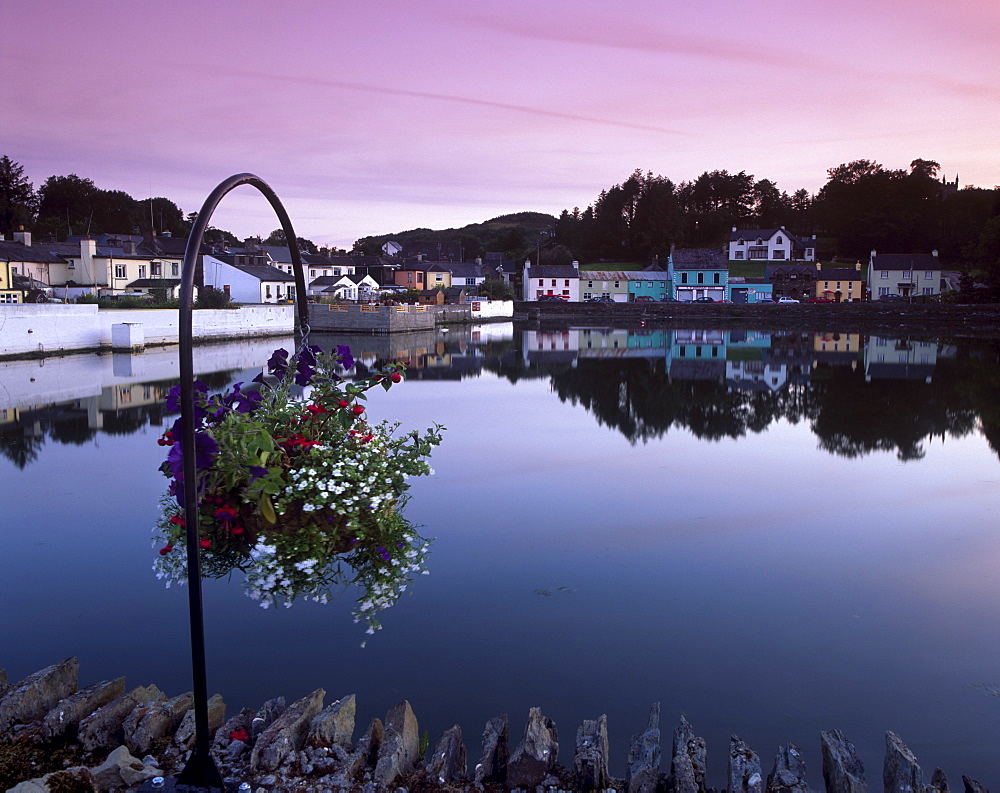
31,329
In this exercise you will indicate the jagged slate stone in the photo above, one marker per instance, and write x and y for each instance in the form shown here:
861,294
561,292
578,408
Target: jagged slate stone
972,786
642,769
104,727
744,768
38,693
265,717
184,735
591,759
121,769
448,762
843,771
241,721
688,763
537,753
75,778
939,782
334,724
900,773
4,685
70,711
492,766
401,745
789,772
287,733
159,721
366,752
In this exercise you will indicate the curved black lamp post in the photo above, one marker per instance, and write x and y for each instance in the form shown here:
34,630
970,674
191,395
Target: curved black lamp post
201,771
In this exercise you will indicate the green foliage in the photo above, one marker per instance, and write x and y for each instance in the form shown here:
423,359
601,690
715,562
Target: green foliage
497,289
213,298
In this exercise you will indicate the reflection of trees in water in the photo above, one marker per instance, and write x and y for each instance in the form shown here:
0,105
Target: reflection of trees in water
850,417
19,447
72,430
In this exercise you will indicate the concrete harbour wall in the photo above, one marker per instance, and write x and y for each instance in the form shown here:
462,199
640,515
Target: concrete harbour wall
44,329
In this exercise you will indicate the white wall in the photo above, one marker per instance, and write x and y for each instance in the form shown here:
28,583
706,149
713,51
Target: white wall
49,328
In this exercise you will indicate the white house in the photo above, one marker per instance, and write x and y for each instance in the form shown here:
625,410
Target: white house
548,279
250,283
357,288
772,245
904,274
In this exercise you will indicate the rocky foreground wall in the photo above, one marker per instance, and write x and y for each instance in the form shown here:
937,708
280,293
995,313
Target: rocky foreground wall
108,737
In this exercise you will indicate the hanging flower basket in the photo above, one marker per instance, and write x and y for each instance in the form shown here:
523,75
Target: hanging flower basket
301,494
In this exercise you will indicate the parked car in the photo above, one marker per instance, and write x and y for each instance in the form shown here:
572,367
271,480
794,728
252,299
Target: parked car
820,300
644,299
891,297
725,301
787,300
601,299
670,300
550,298
704,300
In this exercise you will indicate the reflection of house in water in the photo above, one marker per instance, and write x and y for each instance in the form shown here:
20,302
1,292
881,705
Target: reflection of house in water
831,350
794,352
698,355
550,346
900,359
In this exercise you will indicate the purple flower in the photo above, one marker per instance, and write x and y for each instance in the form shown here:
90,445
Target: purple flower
173,401
277,364
205,449
345,357
257,471
305,366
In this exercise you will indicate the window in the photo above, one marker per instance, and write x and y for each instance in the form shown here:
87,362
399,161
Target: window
928,290
701,278
540,283
717,277
175,269
267,292
740,241
883,274
156,268
336,271
739,254
758,253
8,298
778,240
779,254
879,341
883,290
471,281
590,284
838,284
587,295
120,271
553,282
617,284
649,284
142,271
312,273
928,274
684,278
906,275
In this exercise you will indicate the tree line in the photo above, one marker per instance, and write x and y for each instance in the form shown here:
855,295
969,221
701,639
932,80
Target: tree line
863,206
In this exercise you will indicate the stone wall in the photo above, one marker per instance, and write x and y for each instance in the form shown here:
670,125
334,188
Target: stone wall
122,739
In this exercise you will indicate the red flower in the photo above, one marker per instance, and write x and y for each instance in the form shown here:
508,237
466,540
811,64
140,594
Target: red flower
357,410
177,520
239,735
205,543
343,403
225,513
166,549
316,409
397,377
237,529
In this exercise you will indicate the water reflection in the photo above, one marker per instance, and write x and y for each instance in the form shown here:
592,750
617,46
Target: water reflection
859,394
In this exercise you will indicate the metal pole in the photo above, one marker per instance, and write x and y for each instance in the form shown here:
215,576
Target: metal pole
201,773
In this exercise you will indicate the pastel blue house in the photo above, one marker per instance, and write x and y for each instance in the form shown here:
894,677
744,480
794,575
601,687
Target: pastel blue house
651,282
699,272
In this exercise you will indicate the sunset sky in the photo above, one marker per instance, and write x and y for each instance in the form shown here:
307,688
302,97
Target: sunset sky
375,117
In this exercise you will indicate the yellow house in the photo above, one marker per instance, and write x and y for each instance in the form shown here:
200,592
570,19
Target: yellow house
840,284
8,294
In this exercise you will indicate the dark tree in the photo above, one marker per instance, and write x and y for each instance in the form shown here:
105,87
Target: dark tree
17,197
66,206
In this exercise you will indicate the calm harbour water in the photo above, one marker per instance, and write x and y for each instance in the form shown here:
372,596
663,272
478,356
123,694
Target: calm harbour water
763,532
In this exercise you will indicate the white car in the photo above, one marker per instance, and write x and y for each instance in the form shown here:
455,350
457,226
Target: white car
787,300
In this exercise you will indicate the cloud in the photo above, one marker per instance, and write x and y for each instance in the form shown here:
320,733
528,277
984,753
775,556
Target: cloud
379,89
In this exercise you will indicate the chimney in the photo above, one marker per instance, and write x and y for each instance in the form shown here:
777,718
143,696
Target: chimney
857,266
576,265
734,228
24,237
934,252
129,247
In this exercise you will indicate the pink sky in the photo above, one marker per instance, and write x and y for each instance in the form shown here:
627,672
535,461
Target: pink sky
374,117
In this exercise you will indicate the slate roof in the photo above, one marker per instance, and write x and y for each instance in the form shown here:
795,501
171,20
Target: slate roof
264,272
552,271
18,252
602,275
790,268
839,274
700,259
906,261
154,283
